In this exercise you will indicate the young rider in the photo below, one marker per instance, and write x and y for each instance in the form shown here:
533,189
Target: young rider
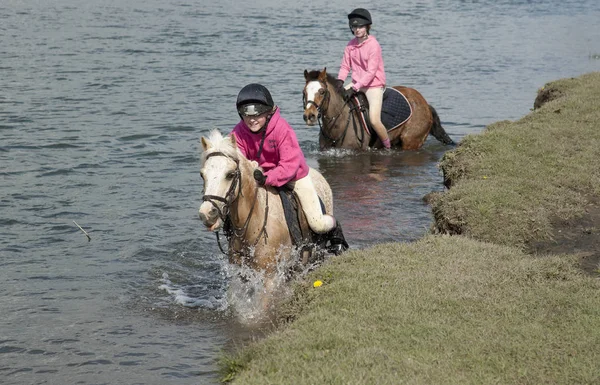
362,57
264,136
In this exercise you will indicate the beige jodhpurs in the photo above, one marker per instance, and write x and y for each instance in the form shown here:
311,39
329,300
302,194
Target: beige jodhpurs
305,190
375,98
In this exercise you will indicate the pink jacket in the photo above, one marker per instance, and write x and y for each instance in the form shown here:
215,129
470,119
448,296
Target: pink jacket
366,63
281,158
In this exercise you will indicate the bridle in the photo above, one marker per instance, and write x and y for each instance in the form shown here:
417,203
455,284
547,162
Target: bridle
229,199
331,121
230,193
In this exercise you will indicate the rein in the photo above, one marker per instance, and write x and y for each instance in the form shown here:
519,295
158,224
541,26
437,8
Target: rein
237,232
342,136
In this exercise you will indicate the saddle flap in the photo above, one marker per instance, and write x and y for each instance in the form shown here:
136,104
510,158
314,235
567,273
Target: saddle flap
302,234
294,217
297,223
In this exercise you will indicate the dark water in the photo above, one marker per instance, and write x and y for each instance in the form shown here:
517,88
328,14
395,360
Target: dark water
102,105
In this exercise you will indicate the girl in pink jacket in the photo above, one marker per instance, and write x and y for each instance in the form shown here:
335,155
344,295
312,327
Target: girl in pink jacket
363,58
264,136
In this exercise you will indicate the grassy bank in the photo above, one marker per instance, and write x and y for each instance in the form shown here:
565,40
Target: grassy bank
473,307
514,182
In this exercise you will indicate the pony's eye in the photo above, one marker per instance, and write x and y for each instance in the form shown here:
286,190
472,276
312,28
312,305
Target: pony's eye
230,175
321,91
202,175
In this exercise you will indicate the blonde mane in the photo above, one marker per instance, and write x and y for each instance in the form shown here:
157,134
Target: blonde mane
220,143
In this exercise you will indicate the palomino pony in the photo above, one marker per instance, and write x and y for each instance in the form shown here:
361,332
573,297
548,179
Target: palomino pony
258,236
339,120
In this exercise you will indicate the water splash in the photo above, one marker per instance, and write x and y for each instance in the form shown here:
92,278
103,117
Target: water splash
183,295
249,295
252,295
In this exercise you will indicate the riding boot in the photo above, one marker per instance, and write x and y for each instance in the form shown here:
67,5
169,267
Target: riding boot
337,241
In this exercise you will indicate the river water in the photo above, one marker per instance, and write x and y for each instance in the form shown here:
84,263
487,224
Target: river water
103,103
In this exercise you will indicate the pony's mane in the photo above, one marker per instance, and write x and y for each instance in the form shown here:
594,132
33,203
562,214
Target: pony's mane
314,75
220,143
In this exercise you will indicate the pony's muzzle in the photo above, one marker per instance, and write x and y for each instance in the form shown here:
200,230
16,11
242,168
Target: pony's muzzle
310,117
209,215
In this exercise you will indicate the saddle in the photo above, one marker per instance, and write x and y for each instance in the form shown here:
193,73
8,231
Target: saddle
301,234
395,111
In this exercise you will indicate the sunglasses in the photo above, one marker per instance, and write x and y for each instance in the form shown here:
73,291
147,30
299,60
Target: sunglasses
253,109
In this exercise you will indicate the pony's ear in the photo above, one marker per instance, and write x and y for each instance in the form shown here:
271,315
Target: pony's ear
306,75
233,140
206,144
323,75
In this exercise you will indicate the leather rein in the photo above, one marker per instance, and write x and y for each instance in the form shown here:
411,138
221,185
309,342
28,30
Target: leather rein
328,125
228,200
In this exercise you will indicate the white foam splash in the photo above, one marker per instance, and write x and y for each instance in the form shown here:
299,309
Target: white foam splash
181,297
246,296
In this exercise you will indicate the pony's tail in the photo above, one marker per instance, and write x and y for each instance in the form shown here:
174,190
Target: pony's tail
437,130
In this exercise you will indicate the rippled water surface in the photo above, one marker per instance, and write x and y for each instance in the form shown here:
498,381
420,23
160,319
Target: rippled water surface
102,106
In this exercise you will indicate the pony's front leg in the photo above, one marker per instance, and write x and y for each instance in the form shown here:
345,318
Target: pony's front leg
269,286
273,275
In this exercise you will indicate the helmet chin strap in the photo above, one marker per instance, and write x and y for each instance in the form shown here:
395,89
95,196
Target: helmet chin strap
264,134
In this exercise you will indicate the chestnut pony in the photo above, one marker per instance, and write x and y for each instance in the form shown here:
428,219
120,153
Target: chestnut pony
258,237
340,126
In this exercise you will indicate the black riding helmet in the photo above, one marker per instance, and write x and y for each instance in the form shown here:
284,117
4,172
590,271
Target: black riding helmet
254,99
359,17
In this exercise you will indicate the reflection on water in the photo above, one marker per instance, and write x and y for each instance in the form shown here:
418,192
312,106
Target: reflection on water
378,195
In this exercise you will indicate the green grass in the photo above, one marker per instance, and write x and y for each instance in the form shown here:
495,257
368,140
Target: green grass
443,310
512,181
461,309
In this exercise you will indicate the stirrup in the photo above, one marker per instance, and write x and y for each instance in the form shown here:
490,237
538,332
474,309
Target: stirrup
337,248
337,241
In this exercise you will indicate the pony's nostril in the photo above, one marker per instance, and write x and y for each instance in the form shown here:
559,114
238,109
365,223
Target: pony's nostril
206,213
305,118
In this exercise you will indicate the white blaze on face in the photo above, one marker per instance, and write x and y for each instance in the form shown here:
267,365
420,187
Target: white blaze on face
214,171
311,90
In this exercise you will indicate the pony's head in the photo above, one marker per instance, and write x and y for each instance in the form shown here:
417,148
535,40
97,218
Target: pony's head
221,174
317,93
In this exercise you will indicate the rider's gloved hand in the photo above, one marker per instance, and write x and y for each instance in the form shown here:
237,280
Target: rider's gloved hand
349,93
259,177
